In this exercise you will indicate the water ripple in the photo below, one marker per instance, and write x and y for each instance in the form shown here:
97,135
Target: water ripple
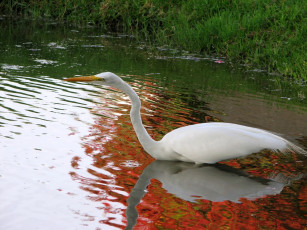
72,145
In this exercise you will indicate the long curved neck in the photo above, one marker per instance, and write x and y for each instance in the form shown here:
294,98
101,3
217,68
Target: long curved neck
146,141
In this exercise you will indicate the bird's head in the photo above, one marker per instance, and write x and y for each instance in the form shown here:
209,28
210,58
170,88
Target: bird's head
105,78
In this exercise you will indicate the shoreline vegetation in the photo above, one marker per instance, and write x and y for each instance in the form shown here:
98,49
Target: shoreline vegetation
269,35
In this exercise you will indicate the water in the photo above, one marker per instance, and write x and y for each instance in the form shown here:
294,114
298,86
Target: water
69,158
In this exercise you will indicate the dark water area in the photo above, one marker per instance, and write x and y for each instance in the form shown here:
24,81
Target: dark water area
69,157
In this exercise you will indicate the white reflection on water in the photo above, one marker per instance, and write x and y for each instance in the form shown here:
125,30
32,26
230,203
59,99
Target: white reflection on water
42,123
211,182
11,67
45,62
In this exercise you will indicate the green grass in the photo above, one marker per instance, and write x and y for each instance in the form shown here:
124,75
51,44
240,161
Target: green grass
267,34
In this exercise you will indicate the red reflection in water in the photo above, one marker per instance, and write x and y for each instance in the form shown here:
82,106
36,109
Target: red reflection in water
118,161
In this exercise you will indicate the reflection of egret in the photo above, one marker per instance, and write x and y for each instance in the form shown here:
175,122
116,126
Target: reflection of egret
211,182
200,143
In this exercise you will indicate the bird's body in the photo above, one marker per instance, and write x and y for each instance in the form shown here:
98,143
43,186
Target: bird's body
199,143
213,142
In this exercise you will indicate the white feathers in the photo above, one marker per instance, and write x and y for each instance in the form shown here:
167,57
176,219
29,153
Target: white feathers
213,142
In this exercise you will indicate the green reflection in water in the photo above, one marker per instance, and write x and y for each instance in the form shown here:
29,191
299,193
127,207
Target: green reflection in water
58,51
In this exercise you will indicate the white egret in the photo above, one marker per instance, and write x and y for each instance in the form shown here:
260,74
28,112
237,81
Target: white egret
199,143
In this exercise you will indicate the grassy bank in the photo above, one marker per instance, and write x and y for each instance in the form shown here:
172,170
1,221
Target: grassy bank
267,34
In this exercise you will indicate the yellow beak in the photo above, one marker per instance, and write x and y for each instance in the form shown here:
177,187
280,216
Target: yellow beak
84,78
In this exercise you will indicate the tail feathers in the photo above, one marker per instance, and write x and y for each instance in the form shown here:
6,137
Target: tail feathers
295,148
289,146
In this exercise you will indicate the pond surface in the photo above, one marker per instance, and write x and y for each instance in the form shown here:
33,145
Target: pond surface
69,158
